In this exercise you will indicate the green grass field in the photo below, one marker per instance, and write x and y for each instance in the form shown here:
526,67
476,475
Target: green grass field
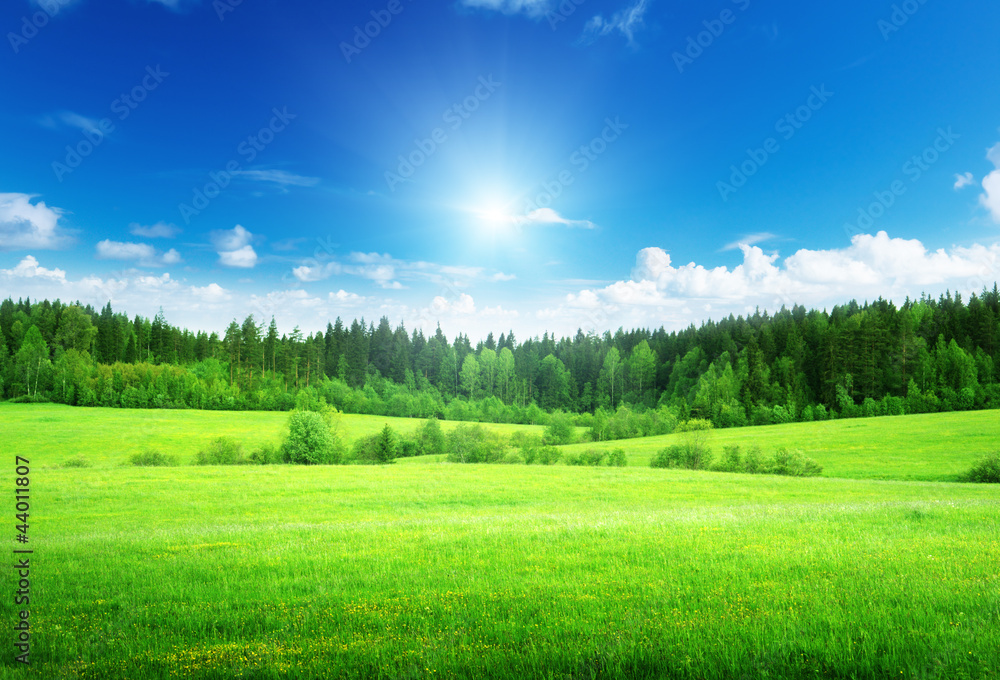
439,571
933,447
107,437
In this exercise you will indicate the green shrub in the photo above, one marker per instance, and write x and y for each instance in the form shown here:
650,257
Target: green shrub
617,458
986,470
691,455
548,455
732,460
222,451
310,442
793,464
592,457
407,447
695,425
152,458
513,458
572,459
753,462
77,462
267,454
430,439
475,444
560,429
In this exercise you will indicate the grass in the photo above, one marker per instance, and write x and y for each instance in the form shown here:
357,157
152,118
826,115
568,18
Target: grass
108,437
932,447
466,571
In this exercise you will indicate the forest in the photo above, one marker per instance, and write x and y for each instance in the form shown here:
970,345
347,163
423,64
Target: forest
856,360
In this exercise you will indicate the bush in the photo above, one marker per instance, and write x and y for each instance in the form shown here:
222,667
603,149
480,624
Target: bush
753,462
268,454
513,458
572,459
430,439
548,455
560,429
692,455
152,458
310,442
731,461
695,425
617,458
222,451
793,464
986,470
77,462
475,444
592,457
407,448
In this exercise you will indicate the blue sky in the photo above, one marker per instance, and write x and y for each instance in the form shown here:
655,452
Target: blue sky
496,164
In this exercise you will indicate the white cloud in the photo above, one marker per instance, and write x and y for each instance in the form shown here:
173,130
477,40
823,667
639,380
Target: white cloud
244,258
500,276
962,181
280,177
625,22
463,304
531,8
550,216
28,268
142,253
660,293
158,230
386,272
233,247
212,293
750,240
990,198
25,225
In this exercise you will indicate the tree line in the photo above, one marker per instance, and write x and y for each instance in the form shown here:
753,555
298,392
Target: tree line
855,360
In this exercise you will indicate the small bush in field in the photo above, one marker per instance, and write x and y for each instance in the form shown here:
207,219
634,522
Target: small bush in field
691,455
548,455
268,454
592,457
986,470
617,458
152,458
572,459
793,464
222,451
513,458
77,462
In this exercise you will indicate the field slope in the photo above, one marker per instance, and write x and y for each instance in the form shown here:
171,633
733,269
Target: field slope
466,571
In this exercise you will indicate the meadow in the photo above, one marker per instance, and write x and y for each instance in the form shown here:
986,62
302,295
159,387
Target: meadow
507,571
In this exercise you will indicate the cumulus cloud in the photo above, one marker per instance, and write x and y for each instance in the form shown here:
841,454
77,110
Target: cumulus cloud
625,22
158,230
24,224
660,293
28,268
142,253
233,247
962,181
990,198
